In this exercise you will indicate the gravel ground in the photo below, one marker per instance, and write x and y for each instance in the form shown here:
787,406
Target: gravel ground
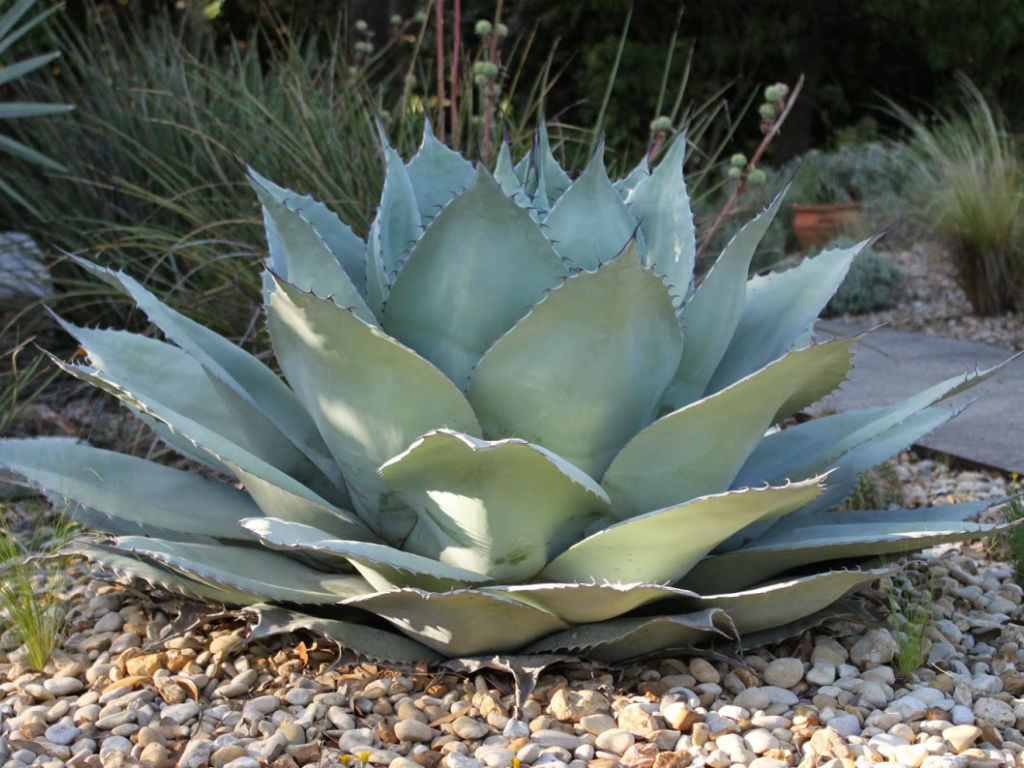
128,688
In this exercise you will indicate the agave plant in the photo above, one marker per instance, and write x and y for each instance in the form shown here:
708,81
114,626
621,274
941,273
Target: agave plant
511,423
10,33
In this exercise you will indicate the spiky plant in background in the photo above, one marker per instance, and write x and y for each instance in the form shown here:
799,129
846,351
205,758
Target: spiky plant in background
510,423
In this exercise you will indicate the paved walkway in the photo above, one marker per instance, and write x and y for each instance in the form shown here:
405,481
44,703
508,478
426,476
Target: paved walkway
890,365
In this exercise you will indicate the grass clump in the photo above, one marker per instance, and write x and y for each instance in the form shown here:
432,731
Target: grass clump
969,186
910,618
1013,539
32,577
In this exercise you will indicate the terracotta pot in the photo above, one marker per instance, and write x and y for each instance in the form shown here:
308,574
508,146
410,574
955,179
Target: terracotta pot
814,224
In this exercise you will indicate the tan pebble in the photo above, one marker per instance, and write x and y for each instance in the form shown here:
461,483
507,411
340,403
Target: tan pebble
428,759
961,737
672,760
304,753
828,743
681,717
155,756
701,733
640,756
704,671
145,665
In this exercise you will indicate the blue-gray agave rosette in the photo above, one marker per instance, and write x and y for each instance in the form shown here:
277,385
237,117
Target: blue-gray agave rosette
508,423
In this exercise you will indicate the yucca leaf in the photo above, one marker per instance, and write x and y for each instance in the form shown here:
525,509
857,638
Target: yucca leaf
591,198
462,622
12,110
661,546
128,488
16,148
311,248
661,204
667,461
710,318
11,72
497,508
270,575
393,231
382,566
778,309
479,267
437,174
585,369
236,368
618,639
369,395
8,34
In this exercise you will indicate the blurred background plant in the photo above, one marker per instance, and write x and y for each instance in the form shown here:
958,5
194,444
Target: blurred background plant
16,24
968,184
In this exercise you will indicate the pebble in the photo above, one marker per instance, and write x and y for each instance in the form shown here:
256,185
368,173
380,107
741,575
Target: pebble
784,673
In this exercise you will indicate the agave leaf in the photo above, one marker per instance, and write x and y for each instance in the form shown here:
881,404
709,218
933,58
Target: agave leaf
710,318
370,396
129,488
669,461
778,309
175,382
810,447
437,174
395,228
588,603
542,176
236,368
261,572
627,184
311,247
585,369
618,639
133,567
462,622
479,267
590,199
661,546
661,204
368,642
300,505
785,601
499,508
505,172
783,549
382,566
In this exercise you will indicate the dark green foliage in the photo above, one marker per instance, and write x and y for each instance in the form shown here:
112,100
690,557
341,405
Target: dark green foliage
872,283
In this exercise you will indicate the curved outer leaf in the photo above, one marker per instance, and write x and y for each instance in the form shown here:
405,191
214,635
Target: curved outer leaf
782,602
661,204
498,508
261,572
849,467
661,546
590,224
367,641
778,309
479,267
369,396
393,231
382,566
710,318
236,368
127,566
228,453
311,247
162,373
542,176
808,448
463,622
587,603
619,639
585,369
676,457
437,174
895,531
128,488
